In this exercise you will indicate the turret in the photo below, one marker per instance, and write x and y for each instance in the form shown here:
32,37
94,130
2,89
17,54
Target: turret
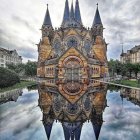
72,18
48,121
72,12
122,50
97,122
72,130
47,28
77,13
66,13
97,26
48,129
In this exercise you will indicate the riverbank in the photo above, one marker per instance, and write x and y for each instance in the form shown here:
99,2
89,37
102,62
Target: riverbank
22,84
128,83
123,83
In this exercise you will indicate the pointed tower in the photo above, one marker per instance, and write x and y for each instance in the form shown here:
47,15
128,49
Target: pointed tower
97,121
78,132
122,50
47,19
72,12
97,26
66,132
66,13
77,12
72,130
97,129
97,18
48,123
48,129
47,28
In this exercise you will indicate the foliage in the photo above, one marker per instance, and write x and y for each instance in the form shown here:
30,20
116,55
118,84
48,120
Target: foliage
129,68
113,88
28,69
136,69
22,84
115,67
123,69
31,69
16,68
129,83
8,78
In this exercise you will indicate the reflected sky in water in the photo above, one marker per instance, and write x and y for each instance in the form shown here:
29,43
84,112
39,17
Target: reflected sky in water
22,120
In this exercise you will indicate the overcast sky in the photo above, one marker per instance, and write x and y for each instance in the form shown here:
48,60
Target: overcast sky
20,22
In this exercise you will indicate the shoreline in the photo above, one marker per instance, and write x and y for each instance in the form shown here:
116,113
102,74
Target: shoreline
117,84
22,84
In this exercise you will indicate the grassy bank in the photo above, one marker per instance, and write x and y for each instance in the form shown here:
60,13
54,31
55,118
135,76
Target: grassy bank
22,84
128,83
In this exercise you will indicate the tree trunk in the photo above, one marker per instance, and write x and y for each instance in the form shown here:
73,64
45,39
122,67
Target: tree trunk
136,75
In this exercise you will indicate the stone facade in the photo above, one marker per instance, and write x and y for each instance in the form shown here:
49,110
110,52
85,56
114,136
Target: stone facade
73,115
132,56
72,53
9,57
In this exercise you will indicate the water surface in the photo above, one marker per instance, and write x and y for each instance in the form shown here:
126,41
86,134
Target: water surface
105,114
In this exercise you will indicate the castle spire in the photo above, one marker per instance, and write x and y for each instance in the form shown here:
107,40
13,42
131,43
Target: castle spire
66,12
48,129
47,19
48,123
77,12
72,12
97,18
97,129
122,49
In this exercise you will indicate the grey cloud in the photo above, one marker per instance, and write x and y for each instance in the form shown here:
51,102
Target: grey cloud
20,23
24,22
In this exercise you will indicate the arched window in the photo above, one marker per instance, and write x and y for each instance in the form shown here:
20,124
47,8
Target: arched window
87,47
72,42
57,47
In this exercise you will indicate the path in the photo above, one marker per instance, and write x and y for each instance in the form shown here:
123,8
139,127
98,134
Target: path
117,84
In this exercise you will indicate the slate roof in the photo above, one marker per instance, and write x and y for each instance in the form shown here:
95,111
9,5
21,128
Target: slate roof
47,19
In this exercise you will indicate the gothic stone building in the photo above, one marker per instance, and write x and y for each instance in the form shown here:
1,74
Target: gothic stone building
72,52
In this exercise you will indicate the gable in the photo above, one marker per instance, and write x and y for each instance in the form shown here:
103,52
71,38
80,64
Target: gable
73,52
72,32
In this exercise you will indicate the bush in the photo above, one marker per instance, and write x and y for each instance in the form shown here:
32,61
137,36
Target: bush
8,78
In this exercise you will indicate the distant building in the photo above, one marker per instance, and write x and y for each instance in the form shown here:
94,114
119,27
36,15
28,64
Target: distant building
132,56
9,57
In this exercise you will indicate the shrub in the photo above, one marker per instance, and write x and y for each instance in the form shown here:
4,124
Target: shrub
8,78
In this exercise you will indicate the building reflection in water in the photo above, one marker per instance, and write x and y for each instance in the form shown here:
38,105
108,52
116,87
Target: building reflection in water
132,95
73,108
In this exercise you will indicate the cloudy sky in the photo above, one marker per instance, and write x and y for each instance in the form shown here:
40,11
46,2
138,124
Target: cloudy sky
20,22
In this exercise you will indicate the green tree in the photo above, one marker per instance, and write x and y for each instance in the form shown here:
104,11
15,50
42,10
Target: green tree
123,70
115,67
20,68
111,65
129,68
11,67
136,69
118,67
31,68
8,77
